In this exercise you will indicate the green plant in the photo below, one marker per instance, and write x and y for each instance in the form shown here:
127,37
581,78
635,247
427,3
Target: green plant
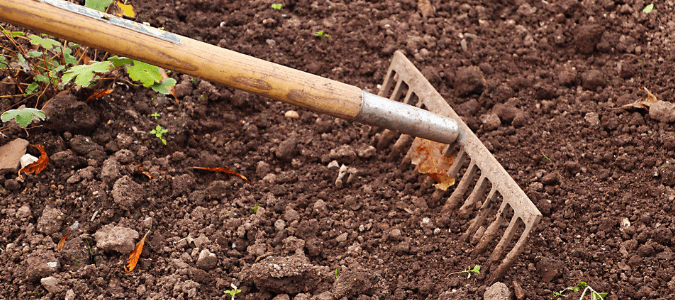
581,286
648,8
336,273
469,271
158,131
320,33
546,157
22,116
156,115
255,208
277,6
233,291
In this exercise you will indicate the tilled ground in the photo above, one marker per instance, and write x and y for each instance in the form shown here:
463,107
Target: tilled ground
541,83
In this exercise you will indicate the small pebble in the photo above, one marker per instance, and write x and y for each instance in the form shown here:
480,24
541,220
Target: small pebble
291,114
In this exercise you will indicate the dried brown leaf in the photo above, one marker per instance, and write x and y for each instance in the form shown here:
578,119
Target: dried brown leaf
135,255
428,156
38,165
223,170
63,241
642,103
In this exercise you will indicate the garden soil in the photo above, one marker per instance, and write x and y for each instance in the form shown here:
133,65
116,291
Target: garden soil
554,73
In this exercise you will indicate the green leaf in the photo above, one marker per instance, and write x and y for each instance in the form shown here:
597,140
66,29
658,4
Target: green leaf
68,57
120,61
147,74
34,54
23,63
13,33
31,88
648,8
277,6
42,78
99,5
46,43
3,62
22,116
162,87
84,74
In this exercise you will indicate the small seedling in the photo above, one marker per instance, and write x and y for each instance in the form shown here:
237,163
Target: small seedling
155,114
336,273
255,208
469,271
158,131
22,116
320,33
648,8
233,291
581,286
546,157
277,6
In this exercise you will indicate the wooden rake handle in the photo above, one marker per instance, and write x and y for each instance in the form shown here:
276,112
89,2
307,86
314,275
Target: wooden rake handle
185,55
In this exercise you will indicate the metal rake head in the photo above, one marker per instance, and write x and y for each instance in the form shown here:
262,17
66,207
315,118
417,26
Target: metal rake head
515,207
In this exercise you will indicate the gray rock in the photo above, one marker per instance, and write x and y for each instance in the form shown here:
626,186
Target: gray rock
286,150
70,295
662,111
110,171
490,121
127,193
497,291
51,284
207,260
366,151
23,212
50,221
116,238
469,80
344,154
65,113
10,154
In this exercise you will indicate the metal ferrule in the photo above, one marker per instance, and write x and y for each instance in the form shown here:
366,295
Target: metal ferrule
404,118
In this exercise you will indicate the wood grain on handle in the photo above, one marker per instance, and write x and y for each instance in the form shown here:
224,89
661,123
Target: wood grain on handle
191,57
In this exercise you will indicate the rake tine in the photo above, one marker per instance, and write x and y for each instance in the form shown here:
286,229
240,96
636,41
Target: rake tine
491,231
485,210
463,185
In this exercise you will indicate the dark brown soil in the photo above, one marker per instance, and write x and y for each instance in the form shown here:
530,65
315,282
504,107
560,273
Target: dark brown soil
556,74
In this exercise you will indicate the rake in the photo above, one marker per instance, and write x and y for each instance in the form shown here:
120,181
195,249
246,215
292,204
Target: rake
431,117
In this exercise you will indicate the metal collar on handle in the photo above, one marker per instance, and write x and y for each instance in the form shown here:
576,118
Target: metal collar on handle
408,119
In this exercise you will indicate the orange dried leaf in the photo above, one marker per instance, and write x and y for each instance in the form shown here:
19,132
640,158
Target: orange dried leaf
172,89
428,157
100,93
143,171
62,241
38,165
126,10
135,255
223,170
